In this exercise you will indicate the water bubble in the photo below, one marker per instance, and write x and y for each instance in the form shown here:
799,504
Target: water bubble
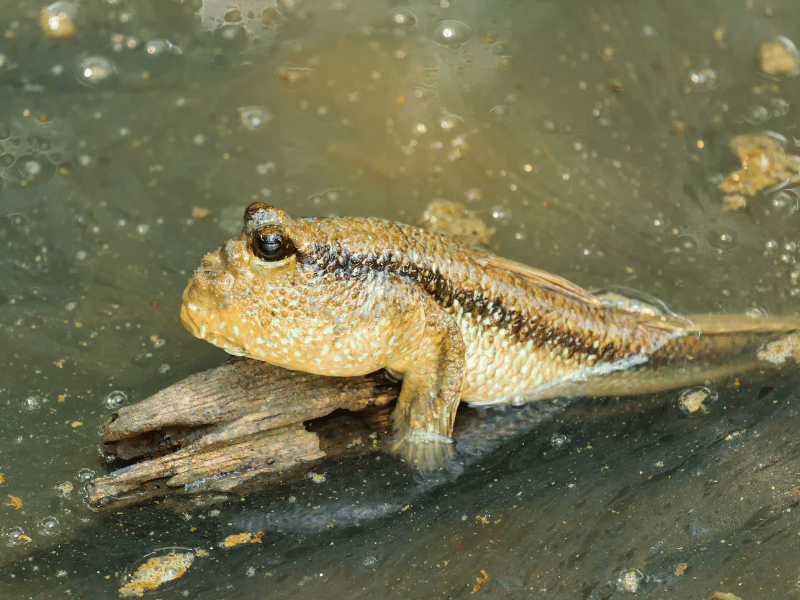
702,80
47,526
630,580
756,115
499,112
30,168
402,17
96,70
64,489
324,113
779,57
271,16
547,125
558,440
448,122
785,201
69,305
32,402
233,16
722,238
86,474
268,168
15,536
756,313
6,160
115,399
57,20
254,118
452,33
156,47
291,77
501,213
517,401
696,398
232,33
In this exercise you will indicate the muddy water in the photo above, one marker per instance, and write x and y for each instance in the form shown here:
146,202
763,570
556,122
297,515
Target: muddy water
593,139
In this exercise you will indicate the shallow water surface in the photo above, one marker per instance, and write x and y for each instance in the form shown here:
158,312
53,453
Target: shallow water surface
592,136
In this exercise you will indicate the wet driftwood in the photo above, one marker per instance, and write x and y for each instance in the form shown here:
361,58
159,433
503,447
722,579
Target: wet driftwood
235,425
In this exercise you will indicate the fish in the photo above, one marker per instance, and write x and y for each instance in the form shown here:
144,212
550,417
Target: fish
347,296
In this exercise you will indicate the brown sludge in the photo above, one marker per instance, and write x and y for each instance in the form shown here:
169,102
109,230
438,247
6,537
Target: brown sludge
234,427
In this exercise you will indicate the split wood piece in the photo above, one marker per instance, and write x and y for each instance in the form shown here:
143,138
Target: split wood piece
232,425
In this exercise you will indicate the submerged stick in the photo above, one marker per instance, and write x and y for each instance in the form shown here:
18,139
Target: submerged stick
236,424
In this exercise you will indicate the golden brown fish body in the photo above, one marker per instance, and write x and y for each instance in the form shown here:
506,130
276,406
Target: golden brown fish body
348,296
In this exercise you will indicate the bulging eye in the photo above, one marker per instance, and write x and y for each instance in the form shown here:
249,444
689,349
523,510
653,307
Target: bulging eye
270,243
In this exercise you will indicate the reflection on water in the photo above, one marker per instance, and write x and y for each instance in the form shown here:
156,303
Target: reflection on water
593,138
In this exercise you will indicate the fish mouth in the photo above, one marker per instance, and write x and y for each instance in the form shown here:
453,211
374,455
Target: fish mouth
195,317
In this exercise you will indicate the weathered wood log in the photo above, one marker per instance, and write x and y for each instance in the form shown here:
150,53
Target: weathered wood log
233,425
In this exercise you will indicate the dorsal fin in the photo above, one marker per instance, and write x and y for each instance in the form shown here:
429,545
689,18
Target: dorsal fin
542,279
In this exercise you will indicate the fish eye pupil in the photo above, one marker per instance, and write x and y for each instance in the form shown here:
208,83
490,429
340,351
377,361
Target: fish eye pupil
271,244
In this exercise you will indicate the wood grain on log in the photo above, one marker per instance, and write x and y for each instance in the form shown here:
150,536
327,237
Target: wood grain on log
229,426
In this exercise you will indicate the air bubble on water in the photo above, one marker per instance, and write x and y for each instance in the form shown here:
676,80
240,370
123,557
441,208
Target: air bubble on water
64,488
267,168
501,213
30,168
164,368
499,112
722,238
32,402
630,580
254,118
85,474
756,115
14,536
233,16
757,313
232,32
448,122
696,398
157,47
770,246
517,401
402,18
558,440
115,399
702,80
780,107
452,33
47,526
785,202
96,70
